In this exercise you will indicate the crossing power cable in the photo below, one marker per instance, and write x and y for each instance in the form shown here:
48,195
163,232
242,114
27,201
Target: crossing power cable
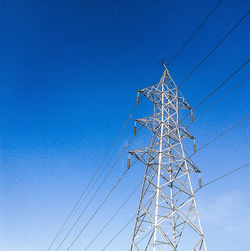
131,219
218,136
214,49
206,110
93,196
222,134
206,98
99,207
223,176
220,42
217,88
208,183
207,57
113,216
223,83
120,231
219,99
194,32
203,146
91,188
92,178
94,183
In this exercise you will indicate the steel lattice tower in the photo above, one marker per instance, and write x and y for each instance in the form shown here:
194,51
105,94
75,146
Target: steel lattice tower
167,208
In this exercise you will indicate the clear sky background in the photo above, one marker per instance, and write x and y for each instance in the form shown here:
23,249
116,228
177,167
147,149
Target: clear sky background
69,74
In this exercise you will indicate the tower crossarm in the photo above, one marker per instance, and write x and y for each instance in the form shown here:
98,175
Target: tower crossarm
149,156
154,94
153,124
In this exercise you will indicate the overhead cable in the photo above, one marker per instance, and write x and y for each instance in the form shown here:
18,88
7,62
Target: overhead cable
217,88
210,182
194,32
214,49
203,146
119,232
223,176
222,134
219,99
113,216
99,207
92,179
97,190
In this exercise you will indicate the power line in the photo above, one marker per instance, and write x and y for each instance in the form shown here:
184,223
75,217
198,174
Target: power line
219,85
218,136
213,50
203,146
94,183
92,178
102,171
222,134
217,88
223,83
96,211
223,176
119,232
208,183
93,196
217,100
113,216
220,98
91,188
194,32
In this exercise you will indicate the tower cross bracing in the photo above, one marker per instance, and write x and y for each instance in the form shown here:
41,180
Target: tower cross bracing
167,208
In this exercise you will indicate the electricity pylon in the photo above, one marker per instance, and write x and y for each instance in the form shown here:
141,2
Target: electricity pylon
167,209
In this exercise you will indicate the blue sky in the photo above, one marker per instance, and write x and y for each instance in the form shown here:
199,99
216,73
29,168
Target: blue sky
70,71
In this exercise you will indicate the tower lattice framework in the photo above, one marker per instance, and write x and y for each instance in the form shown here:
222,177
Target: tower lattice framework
167,208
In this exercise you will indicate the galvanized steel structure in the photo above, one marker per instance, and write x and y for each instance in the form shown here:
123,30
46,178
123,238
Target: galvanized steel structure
167,208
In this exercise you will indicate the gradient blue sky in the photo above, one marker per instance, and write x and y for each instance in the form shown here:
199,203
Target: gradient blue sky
69,74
